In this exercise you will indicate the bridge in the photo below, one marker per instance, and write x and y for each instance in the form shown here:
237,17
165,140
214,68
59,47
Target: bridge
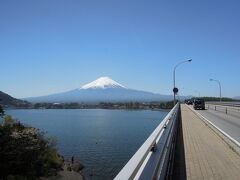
190,144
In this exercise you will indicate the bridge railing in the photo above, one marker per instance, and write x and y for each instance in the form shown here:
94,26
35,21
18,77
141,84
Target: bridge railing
227,108
230,104
152,159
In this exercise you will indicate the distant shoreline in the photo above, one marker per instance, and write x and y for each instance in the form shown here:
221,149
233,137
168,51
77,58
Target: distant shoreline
127,106
12,108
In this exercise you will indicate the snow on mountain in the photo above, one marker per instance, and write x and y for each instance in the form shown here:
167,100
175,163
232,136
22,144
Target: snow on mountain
103,89
102,82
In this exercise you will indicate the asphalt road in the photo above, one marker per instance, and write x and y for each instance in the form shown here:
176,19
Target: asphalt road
229,123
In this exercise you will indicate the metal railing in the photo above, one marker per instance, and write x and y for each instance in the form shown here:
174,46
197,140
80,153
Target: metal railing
151,161
231,109
231,104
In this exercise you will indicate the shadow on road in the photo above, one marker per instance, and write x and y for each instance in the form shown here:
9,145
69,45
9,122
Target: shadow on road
179,167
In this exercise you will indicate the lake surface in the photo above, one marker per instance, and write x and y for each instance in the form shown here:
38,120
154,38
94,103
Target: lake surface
103,140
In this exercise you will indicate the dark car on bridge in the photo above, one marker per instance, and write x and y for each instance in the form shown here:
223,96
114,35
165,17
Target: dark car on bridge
199,104
189,101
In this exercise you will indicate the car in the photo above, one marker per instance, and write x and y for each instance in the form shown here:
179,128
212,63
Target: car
188,101
199,104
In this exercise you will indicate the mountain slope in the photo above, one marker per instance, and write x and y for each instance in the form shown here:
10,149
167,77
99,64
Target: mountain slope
237,97
7,100
103,89
101,95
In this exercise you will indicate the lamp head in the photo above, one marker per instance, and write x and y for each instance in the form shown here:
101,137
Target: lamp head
190,60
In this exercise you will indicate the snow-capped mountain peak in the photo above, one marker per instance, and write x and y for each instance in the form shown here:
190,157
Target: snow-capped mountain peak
103,89
102,82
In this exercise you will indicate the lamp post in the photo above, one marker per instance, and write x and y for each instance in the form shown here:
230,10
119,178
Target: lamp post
220,88
175,90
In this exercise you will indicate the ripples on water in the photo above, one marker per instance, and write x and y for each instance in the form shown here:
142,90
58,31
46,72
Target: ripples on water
103,140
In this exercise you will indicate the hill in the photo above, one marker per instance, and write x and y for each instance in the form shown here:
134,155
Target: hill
216,99
237,97
9,101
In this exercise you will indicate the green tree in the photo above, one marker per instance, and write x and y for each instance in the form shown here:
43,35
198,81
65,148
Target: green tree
24,152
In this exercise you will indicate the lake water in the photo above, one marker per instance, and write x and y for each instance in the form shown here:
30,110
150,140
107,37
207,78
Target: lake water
103,140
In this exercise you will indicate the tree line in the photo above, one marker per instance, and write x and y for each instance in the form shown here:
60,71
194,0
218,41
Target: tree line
106,105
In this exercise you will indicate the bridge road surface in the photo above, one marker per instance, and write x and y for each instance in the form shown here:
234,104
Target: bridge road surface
229,123
207,156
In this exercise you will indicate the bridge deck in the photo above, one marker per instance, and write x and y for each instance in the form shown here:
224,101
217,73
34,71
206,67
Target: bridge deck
207,156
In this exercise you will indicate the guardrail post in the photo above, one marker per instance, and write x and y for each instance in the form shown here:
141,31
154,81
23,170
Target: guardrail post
215,108
226,110
154,147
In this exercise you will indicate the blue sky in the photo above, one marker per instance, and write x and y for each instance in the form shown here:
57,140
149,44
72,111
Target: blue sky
54,46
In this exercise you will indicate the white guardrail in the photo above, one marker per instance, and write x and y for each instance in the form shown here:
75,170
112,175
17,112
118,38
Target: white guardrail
152,158
231,104
231,109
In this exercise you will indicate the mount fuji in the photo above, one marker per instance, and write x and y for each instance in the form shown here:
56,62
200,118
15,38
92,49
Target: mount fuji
103,89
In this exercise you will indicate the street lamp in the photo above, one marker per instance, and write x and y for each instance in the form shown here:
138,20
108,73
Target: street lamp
175,90
220,88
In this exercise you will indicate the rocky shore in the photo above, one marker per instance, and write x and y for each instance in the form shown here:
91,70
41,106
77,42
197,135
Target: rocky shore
69,171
